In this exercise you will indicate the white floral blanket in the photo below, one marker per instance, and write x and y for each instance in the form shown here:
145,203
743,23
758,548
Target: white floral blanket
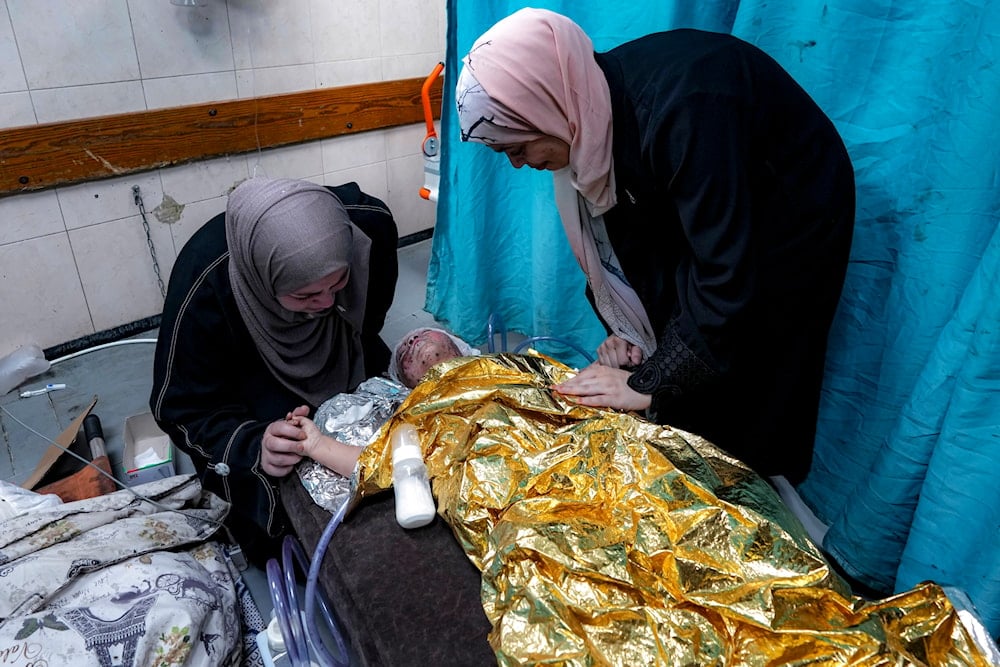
116,580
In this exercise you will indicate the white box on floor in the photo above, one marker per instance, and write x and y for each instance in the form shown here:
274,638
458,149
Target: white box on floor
148,454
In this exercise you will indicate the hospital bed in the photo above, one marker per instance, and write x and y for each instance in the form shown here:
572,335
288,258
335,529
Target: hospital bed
415,597
400,597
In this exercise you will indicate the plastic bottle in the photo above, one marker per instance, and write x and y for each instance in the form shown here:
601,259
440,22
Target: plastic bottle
273,650
21,364
414,502
275,642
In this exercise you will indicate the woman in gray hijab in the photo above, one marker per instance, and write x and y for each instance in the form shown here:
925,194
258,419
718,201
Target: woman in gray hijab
273,307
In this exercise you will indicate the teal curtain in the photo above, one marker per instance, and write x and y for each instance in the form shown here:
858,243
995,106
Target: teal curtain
908,444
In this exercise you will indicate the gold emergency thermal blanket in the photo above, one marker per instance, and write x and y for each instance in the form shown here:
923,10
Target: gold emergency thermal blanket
604,539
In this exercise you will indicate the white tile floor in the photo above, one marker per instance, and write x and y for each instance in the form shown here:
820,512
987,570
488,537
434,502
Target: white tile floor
119,375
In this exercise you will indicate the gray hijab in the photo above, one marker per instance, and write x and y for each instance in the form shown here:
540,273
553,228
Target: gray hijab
282,235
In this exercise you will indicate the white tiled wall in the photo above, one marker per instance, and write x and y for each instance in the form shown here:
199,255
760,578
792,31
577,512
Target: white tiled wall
75,260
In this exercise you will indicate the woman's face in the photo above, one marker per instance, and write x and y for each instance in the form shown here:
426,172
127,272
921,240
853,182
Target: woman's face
544,153
317,297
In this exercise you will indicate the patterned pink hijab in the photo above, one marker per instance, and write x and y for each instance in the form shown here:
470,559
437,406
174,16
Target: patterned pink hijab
284,234
534,74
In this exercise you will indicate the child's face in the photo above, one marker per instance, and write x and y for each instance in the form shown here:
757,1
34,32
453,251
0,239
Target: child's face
421,351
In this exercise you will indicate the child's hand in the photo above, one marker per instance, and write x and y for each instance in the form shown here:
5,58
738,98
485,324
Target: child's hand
330,452
313,437
301,411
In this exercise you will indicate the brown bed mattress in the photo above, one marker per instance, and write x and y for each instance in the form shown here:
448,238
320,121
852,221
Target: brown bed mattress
402,597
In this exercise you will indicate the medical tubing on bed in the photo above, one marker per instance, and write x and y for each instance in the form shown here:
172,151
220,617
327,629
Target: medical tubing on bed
282,612
288,561
312,591
495,325
326,612
554,339
301,643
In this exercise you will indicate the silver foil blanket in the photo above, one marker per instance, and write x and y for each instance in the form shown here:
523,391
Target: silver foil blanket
353,418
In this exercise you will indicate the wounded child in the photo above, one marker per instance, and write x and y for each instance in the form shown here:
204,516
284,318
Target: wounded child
413,356
421,349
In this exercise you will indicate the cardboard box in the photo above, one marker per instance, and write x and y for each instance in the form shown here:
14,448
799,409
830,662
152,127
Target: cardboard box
62,443
141,435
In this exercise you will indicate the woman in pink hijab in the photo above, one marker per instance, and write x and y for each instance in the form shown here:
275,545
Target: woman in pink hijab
708,200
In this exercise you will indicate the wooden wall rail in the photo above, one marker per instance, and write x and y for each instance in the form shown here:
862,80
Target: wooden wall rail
42,156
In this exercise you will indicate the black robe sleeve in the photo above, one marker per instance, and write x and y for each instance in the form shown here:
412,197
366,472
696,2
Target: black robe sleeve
701,151
733,225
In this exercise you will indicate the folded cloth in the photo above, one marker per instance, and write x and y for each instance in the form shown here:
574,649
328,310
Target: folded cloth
119,576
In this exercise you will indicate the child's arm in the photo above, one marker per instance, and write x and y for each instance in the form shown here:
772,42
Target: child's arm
334,454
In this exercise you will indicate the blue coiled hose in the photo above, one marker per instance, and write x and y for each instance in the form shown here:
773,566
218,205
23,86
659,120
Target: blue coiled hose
554,339
282,582
495,325
312,581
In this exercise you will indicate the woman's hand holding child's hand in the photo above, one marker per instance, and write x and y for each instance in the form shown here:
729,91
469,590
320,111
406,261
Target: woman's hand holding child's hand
287,441
281,447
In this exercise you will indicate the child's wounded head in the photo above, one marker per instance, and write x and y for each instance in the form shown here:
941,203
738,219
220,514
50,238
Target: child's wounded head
419,350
